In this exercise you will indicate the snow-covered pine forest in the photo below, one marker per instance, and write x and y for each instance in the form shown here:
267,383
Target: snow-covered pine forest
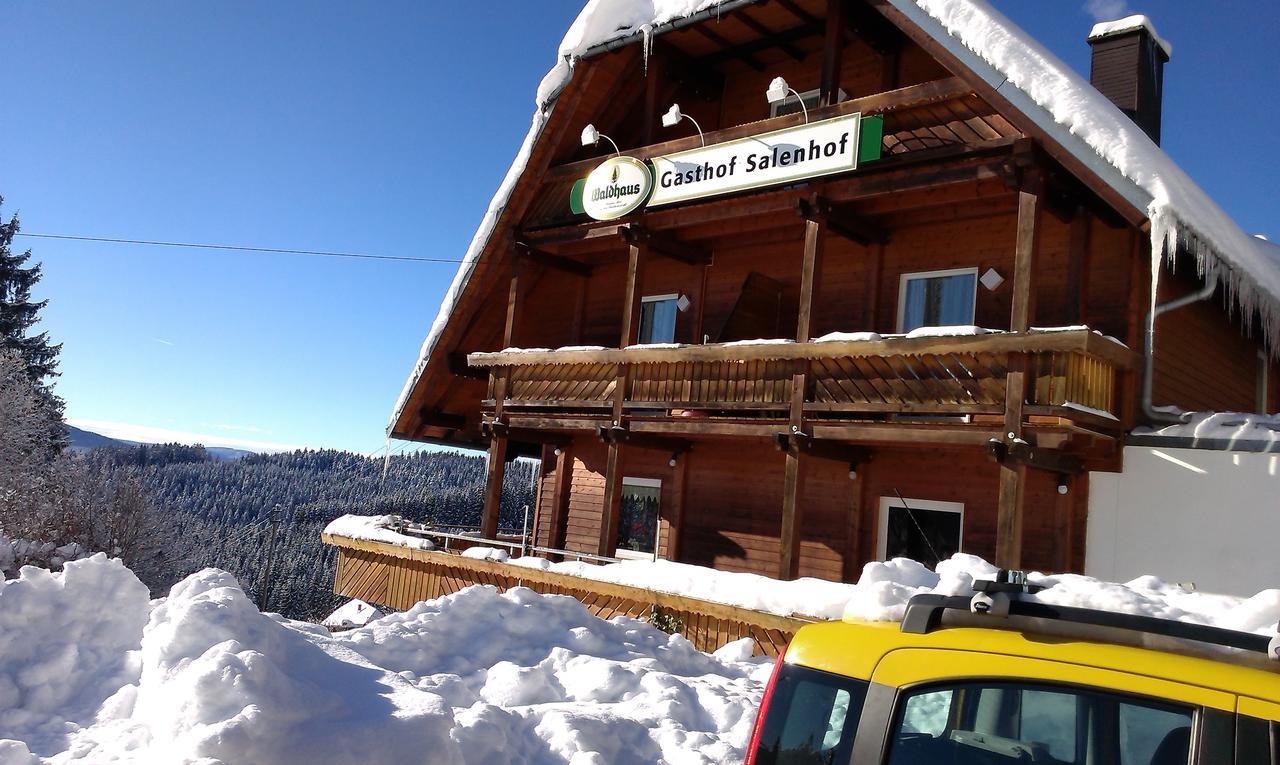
207,512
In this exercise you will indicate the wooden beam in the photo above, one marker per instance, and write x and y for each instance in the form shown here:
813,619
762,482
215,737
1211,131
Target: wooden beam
561,487
696,76
617,434
832,54
497,428
437,419
632,291
798,12
823,449
1028,242
456,363
551,260
768,34
667,245
873,29
729,48
1023,453
495,469
841,220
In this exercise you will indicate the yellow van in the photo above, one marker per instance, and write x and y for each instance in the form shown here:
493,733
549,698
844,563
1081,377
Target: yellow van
1000,678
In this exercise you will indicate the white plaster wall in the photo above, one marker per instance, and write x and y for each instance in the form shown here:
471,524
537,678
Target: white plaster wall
1188,515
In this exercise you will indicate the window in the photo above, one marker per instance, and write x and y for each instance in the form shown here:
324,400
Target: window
937,298
1013,723
791,106
811,719
658,319
920,529
638,518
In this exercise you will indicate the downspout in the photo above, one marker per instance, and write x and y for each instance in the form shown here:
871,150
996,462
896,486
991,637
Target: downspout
1148,354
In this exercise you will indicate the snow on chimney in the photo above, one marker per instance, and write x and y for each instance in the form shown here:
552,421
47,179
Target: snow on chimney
1128,68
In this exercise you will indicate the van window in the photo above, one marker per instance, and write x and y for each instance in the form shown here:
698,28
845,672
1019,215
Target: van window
995,723
811,719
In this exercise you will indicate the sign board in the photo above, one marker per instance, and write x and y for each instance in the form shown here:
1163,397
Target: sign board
783,156
615,188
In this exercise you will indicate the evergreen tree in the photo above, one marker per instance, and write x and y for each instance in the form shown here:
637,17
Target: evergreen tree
18,314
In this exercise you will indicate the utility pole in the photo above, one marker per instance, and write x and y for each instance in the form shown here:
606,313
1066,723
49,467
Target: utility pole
264,590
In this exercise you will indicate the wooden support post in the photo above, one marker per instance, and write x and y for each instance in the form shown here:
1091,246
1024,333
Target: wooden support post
793,481
494,472
675,522
1013,475
612,501
832,53
561,486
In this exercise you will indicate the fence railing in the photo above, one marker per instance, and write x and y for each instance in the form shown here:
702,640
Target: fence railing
398,577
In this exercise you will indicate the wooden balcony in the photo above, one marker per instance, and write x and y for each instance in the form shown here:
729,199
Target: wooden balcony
1070,373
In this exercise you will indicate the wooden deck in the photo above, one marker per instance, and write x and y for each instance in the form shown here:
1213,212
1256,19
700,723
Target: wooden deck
399,577
1068,372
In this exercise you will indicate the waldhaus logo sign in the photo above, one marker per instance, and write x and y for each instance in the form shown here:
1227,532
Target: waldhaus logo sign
616,187
792,154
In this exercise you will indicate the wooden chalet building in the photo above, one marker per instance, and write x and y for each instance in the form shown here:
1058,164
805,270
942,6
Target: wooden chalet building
782,373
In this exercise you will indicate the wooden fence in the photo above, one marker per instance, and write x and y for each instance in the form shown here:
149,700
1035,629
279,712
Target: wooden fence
398,577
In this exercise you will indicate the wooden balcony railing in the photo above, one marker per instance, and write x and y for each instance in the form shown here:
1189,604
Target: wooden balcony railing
1073,370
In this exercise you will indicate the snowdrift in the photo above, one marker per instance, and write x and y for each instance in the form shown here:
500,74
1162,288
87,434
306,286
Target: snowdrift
93,672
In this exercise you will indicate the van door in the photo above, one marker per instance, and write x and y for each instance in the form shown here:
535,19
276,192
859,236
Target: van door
975,708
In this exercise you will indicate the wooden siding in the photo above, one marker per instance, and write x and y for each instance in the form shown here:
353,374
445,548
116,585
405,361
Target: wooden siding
399,577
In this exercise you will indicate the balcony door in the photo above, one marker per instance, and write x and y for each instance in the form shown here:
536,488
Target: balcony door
638,518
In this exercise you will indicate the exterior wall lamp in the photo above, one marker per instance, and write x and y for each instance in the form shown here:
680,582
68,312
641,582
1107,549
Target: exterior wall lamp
778,91
673,117
591,137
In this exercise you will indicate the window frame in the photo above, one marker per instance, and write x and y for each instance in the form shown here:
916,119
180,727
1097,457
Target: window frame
815,94
904,279
891,704
644,483
675,299
888,503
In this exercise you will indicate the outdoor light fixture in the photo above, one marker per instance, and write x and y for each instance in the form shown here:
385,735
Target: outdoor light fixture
682,303
777,93
591,137
853,471
558,451
1062,484
672,462
673,117
991,279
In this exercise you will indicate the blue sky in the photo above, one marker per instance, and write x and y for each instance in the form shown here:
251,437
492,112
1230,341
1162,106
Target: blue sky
375,128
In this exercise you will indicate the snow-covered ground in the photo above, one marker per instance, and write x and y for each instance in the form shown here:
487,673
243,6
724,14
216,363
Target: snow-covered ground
92,671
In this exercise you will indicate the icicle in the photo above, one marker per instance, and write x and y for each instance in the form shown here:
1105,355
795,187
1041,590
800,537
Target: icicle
647,48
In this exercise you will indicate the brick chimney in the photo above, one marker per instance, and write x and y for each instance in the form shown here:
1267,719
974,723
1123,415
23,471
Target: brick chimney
1128,68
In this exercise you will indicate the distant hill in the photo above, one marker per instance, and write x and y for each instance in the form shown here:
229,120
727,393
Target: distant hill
81,440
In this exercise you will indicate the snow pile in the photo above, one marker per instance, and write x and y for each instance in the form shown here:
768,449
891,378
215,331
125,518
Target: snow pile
353,613
885,588
954,330
486,553
1231,427
91,671
536,678
848,337
376,528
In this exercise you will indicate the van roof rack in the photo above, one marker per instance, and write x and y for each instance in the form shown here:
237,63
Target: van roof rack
1005,597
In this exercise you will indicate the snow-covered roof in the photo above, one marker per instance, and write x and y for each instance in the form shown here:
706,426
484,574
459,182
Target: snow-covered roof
1130,24
1062,103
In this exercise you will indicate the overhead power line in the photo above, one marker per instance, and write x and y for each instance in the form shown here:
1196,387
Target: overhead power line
239,248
